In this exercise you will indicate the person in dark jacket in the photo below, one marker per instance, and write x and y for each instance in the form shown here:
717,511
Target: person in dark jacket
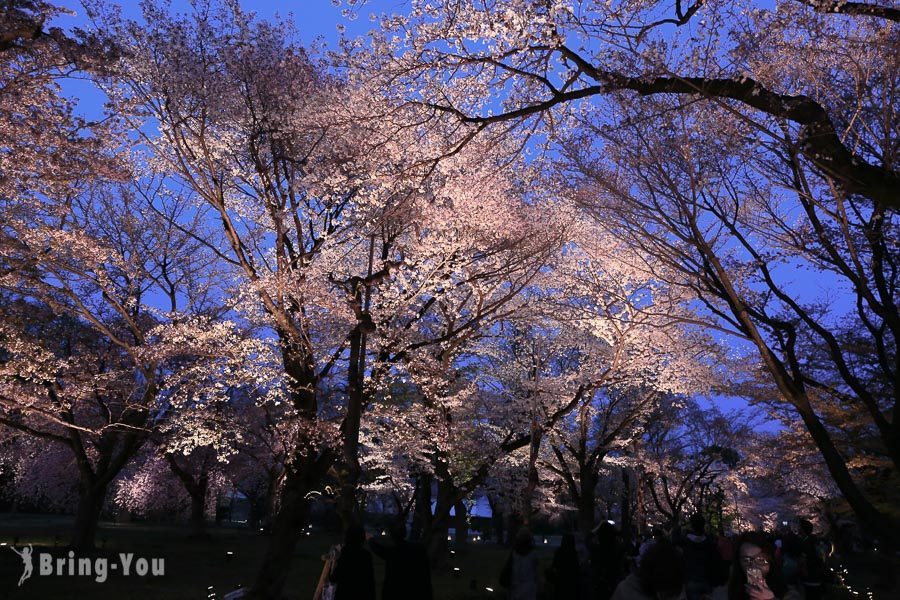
353,574
407,572
565,571
660,576
702,563
607,561
814,567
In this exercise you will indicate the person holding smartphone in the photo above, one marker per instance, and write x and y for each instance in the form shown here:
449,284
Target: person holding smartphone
755,574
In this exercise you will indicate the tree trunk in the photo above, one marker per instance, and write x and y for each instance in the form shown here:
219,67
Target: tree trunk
421,524
436,536
348,507
625,505
793,389
87,515
272,496
586,503
461,524
437,541
533,475
197,489
286,530
496,519
875,521
198,509
514,524
302,476
350,469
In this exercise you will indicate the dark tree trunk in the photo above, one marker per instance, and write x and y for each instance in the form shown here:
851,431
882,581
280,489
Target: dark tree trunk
586,502
625,505
304,474
272,497
461,524
515,523
421,524
496,519
198,510
437,541
286,530
197,488
113,453
872,519
87,515
533,475
348,506
350,469
437,535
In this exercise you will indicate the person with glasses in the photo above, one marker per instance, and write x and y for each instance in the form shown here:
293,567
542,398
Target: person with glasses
755,575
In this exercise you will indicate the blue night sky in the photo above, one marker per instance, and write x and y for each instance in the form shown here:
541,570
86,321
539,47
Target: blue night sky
314,18
316,21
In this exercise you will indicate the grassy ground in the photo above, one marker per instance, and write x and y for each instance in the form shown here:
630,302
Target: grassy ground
194,569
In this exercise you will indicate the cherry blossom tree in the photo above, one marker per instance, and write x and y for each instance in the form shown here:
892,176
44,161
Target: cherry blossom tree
738,250
356,264
47,148
686,456
585,325
96,347
166,485
774,66
235,104
39,474
333,237
775,103
266,437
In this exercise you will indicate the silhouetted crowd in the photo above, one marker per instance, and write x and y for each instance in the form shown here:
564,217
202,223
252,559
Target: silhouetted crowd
351,576
691,565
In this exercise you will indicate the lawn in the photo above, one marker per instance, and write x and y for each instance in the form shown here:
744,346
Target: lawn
195,569
230,557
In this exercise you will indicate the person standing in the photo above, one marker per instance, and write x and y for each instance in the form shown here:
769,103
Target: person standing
660,576
520,574
565,571
407,572
607,561
353,574
702,563
814,570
